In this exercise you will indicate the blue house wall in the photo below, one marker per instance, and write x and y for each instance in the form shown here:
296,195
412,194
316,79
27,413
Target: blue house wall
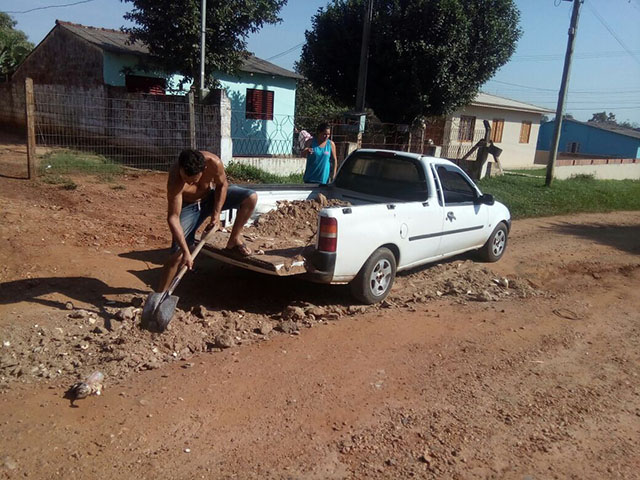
592,140
252,137
114,65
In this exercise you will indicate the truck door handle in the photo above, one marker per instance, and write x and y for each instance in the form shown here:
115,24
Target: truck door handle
450,216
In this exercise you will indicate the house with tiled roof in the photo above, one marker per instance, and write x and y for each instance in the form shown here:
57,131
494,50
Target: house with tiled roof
514,129
262,94
592,138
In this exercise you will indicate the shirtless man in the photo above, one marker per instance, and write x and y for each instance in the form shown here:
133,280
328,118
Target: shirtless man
197,189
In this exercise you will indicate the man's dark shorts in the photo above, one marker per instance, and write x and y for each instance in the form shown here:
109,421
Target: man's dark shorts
194,214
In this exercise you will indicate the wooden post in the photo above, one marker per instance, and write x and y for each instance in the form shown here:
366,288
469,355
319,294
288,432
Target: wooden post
192,120
30,113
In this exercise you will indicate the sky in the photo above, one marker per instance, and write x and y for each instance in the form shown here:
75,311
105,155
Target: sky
605,73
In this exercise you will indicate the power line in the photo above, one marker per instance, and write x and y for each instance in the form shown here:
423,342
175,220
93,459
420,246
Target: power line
555,90
580,56
611,31
281,54
52,6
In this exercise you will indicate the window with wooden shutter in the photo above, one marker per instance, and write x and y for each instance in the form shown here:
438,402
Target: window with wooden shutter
525,132
259,104
467,128
140,84
496,130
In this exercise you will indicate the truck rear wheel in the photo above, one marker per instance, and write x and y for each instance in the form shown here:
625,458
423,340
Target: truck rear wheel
375,279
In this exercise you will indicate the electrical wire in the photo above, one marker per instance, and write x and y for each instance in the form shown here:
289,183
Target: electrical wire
286,52
611,31
556,90
51,6
577,56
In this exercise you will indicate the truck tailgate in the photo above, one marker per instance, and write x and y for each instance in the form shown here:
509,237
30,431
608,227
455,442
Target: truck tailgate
278,259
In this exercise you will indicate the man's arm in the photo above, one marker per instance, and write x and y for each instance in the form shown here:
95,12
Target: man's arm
335,160
174,206
220,195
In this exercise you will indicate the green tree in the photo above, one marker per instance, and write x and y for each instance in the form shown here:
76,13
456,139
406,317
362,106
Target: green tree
171,31
314,107
426,57
603,117
14,46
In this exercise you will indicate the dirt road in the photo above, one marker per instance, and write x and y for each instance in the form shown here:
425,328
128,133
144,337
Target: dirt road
538,382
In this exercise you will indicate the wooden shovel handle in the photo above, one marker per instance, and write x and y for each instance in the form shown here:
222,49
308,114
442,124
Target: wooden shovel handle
184,268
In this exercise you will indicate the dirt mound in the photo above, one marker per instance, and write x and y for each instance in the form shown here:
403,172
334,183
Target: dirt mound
111,340
464,280
299,218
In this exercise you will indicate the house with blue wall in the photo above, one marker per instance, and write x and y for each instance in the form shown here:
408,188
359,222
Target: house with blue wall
263,102
262,94
590,138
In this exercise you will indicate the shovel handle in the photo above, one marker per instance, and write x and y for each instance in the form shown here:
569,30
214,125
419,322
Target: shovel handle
184,268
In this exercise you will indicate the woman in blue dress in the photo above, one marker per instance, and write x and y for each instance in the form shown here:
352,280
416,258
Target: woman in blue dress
321,156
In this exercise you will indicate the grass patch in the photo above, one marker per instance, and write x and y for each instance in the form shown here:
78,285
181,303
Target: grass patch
64,182
537,172
69,161
250,174
528,197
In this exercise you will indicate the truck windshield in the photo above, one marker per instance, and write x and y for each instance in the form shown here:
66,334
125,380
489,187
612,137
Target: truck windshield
383,174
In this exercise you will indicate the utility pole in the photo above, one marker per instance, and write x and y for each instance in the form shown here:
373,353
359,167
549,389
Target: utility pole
202,40
573,30
364,58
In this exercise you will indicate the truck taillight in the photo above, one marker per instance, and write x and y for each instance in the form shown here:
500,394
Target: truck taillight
328,234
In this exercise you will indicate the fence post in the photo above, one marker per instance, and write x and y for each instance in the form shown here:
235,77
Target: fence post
30,113
192,119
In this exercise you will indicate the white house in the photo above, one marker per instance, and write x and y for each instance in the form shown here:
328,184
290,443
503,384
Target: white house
514,129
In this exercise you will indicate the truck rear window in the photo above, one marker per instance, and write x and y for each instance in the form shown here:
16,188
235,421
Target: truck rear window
383,175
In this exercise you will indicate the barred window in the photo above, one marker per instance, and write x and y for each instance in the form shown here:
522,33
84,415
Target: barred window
525,132
496,130
259,104
467,128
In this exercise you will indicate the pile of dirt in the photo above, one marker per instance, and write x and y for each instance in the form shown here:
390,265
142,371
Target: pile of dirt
72,341
462,280
299,218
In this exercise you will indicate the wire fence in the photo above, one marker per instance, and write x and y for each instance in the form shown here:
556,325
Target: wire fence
111,126
142,131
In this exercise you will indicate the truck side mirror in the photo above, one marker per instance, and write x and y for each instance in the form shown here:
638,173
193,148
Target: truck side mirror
487,199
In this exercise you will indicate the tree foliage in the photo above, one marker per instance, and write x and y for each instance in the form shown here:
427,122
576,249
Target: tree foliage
603,117
14,46
314,107
610,118
426,57
171,30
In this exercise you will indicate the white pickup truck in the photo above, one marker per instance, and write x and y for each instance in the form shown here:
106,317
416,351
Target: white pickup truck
405,210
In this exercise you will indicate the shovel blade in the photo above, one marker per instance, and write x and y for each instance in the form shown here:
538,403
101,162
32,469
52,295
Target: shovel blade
157,313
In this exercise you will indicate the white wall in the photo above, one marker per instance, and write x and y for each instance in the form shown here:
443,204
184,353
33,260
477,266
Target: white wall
514,154
275,165
623,171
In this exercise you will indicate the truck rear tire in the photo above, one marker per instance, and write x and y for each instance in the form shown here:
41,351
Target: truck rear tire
375,279
493,250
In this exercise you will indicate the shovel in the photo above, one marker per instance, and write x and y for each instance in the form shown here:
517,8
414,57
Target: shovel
159,308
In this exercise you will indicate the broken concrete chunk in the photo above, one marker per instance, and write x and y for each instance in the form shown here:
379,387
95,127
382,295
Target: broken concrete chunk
128,313
265,328
224,340
288,326
293,313
200,311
